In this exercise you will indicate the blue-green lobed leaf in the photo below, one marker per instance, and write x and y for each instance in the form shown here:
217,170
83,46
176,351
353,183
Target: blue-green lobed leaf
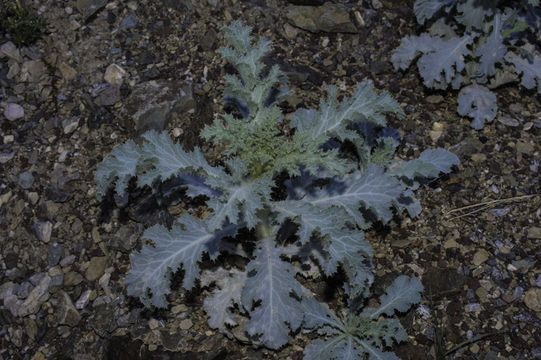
272,283
183,245
119,165
479,103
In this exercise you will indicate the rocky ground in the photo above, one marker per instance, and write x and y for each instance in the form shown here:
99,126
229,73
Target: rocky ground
105,71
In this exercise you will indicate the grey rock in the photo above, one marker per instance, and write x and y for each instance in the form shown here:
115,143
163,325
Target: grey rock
67,314
109,95
67,261
6,289
508,121
104,321
36,278
208,41
474,307
24,289
54,254
26,180
125,238
30,328
114,74
16,336
36,297
307,2
525,148
467,146
10,51
11,259
89,7
83,300
152,103
327,18
73,278
70,125
129,21
5,157
43,230
178,4
57,276
13,111
12,304
32,71
96,267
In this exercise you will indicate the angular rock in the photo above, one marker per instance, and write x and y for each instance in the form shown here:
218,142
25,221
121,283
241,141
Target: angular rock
532,299
13,112
9,50
152,103
69,125
67,314
129,21
83,300
43,230
534,233
109,95
37,296
96,267
208,41
54,254
327,18
32,71
26,180
480,257
89,7
67,71
72,278
114,74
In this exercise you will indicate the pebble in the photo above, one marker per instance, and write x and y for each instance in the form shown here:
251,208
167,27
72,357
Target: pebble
153,324
478,157
43,230
532,299
179,308
67,314
5,157
26,180
129,21
327,18
480,257
534,233
186,324
96,267
69,125
524,148
72,278
9,50
114,74
89,7
36,297
67,71
434,99
508,121
290,32
54,254
474,307
13,112
83,300
31,328
67,261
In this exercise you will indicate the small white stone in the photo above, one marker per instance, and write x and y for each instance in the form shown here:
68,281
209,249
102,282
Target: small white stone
13,112
114,74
